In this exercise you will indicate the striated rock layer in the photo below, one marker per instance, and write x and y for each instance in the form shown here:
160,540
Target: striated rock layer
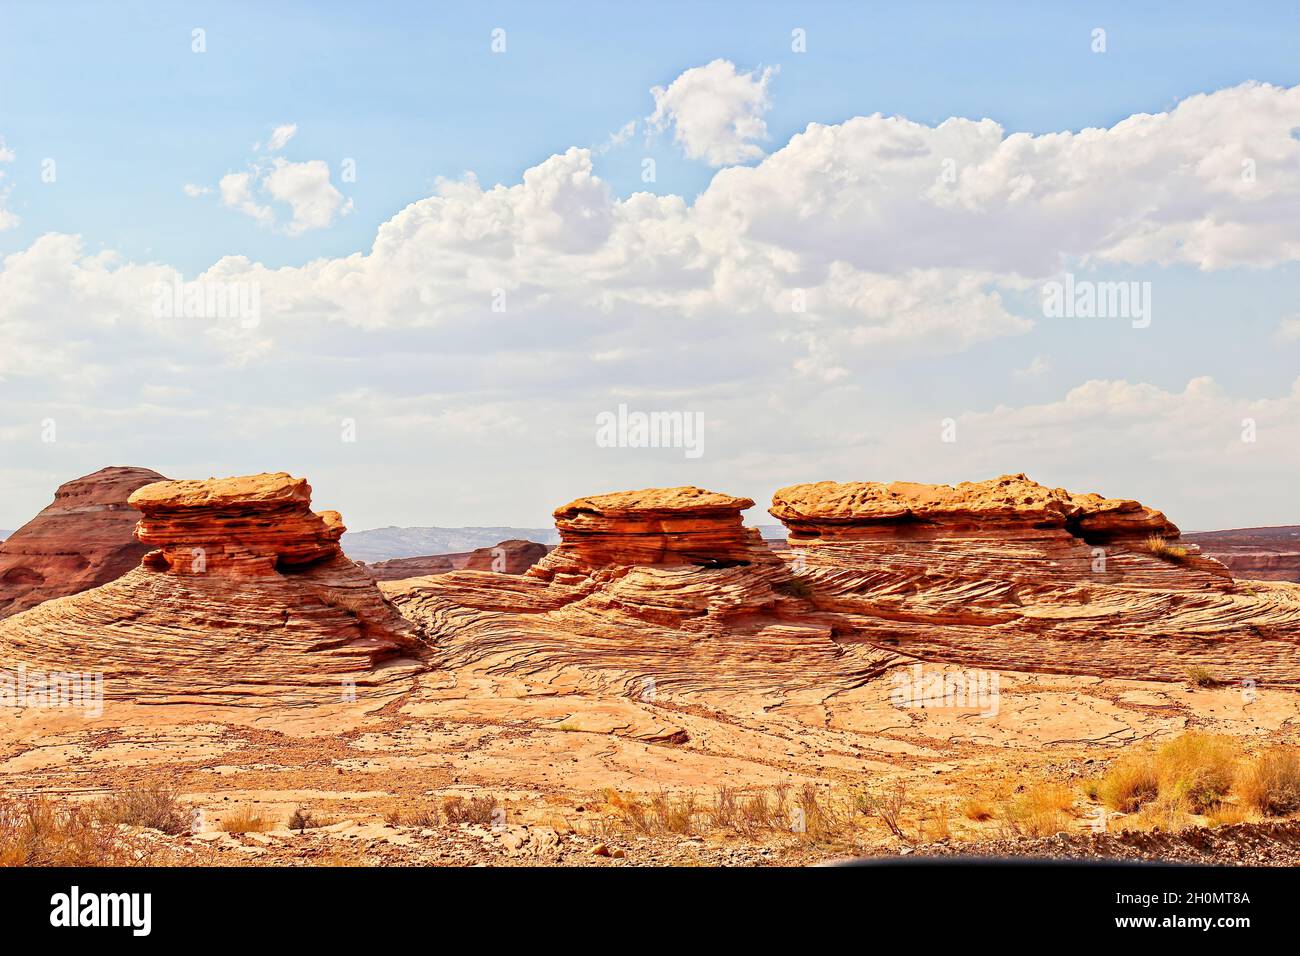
1010,574
245,599
82,540
659,591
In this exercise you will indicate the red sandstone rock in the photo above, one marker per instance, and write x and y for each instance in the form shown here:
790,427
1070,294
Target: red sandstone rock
509,557
661,588
82,540
246,597
1010,574
831,510
655,526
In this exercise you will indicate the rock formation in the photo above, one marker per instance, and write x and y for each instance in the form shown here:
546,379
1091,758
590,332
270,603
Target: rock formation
395,569
246,597
82,540
1262,554
508,557
661,588
1010,574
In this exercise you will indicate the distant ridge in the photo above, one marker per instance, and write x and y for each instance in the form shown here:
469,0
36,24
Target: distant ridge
384,544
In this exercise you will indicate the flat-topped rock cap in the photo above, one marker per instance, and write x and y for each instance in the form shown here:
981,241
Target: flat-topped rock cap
1009,495
685,499
265,490
874,500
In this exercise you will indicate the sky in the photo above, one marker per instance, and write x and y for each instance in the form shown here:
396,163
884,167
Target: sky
457,238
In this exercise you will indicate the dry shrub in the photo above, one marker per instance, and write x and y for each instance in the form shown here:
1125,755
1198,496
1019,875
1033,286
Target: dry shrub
1226,814
976,809
1270,783
1169,812
155,807
246,821
1162,549
1129,782
1199,676
303,819
426,818
481,810
1197,768
1040,810
36,831
935,825
887,805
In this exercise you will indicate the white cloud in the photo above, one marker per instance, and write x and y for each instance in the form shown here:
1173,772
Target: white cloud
304,187
281,135
716,113
778,290
8,218
237,193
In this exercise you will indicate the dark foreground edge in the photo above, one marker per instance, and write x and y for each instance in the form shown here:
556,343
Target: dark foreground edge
931,900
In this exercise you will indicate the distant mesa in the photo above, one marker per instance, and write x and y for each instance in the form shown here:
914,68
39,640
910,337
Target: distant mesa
80,541
505,557
1264,554
385,544
245,598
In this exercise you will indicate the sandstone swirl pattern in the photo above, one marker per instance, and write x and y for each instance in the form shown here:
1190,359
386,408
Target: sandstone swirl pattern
661,590
246,599
1010,574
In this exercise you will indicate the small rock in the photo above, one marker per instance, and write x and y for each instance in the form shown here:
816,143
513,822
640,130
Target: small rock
600,850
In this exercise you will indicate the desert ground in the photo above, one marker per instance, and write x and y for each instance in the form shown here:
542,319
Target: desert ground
663,688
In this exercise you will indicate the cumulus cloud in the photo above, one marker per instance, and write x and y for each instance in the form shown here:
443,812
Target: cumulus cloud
779,289
304,187
715,112
307,190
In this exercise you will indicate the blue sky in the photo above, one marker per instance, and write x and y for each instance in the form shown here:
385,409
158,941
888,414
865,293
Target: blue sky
414,95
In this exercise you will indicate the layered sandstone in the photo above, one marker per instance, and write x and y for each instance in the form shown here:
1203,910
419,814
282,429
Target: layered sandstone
82,540
661,588
245,596
1011,574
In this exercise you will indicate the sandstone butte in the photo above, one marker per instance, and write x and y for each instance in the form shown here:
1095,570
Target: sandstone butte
80,541
667,584
654,590
1011,574
245,598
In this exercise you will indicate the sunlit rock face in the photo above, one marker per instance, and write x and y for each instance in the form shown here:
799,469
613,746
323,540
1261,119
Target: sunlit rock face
244,597
662,587
82,540
1009,573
